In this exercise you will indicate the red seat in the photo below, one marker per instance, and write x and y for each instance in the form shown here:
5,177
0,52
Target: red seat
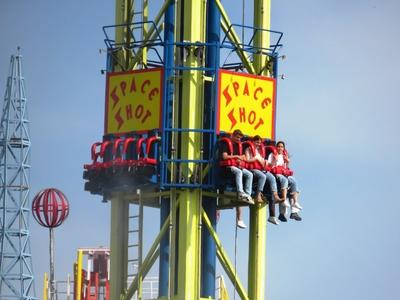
231,161
146,159
95,154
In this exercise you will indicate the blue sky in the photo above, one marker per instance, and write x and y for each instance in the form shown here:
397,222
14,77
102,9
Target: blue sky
337,109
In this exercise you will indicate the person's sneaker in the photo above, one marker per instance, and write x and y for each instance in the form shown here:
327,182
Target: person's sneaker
241,224
242,197
259,199
295,216
297,205
273,220
250,201
282,218
265,199
246,198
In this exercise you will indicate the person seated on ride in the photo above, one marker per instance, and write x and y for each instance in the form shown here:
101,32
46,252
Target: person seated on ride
256,159
233,160
280,167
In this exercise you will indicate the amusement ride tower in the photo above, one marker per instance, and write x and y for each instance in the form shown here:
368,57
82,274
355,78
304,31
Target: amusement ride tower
175,85
16,273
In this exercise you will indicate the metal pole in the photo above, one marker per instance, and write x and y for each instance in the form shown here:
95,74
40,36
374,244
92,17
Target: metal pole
119,246
191,97
165,202
209,252
164,251
140,248
52,289
119,207
68,287
258,215
78,275
45,287
208,263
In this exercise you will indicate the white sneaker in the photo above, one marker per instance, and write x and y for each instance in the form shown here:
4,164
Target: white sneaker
297,205
273,220
249,199
242,195
241,224
246,198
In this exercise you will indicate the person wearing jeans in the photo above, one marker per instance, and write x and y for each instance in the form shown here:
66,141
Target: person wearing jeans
255,156
288,184
240,173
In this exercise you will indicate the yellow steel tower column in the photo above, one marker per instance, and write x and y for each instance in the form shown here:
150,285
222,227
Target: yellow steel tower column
192,30
119,246
119,206
258,215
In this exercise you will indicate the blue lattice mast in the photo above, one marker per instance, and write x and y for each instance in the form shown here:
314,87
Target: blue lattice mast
16,273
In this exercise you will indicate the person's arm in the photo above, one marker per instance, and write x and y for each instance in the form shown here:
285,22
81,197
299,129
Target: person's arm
259,158
226,156
248,156
286,159
270,160
224,151
287,163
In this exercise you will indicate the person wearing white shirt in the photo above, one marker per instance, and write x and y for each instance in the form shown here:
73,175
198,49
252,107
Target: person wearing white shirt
281,159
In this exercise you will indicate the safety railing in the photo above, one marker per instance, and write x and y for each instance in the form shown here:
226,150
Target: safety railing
134,44
246,46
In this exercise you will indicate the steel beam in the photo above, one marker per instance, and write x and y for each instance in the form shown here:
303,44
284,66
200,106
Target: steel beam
234,38
258,214
192,31
119,246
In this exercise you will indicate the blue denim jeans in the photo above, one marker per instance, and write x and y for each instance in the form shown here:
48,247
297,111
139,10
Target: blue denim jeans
283,180
292,185
261,178
272,181
248,178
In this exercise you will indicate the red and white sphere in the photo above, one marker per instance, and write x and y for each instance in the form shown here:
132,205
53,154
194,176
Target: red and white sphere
50,207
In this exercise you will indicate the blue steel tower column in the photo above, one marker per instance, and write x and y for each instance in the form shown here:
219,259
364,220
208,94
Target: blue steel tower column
16,272
167,122
208,263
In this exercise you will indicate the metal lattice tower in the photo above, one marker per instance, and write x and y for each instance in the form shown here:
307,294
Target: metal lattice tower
16,272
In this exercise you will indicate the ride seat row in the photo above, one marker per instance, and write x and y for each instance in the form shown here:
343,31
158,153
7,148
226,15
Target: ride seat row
131,153
120,156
